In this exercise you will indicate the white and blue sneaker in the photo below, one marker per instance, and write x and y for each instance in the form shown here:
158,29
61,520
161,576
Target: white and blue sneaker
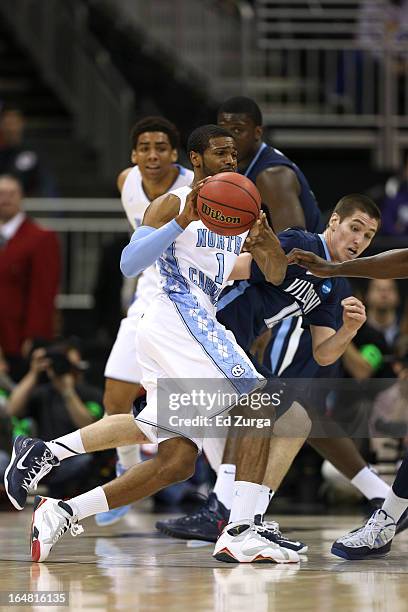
374,539
242,543
103,519
30,461
270,530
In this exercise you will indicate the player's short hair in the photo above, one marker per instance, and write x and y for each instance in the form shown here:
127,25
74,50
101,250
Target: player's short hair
155,124
356,201
242,106
199,139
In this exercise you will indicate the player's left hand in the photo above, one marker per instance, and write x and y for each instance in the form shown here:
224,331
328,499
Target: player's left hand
354,314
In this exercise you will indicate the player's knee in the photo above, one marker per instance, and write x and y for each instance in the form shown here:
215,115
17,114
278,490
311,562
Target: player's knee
295,423
112,404
177,462
117,400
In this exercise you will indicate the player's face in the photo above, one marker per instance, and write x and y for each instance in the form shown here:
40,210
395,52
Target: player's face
220,156
246,134
154,155
10,199
351,236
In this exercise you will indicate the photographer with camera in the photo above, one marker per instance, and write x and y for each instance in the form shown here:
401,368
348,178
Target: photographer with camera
55,395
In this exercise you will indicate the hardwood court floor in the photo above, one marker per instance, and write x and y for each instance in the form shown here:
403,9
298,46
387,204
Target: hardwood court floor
129,566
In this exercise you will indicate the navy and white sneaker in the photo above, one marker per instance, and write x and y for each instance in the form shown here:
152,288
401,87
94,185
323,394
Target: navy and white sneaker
402,524
30,461
206,524
374,539
270,530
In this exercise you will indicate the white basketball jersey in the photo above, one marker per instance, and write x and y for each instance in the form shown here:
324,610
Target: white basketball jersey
135,203
198,263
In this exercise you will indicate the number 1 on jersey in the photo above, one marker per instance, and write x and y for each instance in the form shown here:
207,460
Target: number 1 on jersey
220,275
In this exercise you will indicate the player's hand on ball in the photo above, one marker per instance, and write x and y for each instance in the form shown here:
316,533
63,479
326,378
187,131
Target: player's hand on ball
354,314
312,262
189,212
259,234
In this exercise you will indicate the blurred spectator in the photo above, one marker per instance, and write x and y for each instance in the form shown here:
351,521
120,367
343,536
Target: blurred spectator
62,404
394,209
20,160
384,23
29,277
374,342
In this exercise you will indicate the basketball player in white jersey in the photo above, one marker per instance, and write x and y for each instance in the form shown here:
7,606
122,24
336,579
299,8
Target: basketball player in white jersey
178,337
155,143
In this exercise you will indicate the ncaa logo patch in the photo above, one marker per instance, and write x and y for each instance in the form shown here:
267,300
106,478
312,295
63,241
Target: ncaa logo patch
237,370
327,287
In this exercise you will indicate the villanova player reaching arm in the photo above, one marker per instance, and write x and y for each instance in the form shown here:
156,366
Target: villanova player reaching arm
391,264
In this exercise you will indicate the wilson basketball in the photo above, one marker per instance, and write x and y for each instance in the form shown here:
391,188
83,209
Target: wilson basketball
228,203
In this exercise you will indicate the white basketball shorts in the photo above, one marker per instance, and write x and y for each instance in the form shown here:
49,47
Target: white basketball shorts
178,340
122,362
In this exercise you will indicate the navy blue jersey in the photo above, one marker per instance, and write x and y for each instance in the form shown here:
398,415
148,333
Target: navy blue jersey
267,157
261,304
289,353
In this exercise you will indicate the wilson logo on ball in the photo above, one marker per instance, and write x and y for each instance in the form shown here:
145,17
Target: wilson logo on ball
217,215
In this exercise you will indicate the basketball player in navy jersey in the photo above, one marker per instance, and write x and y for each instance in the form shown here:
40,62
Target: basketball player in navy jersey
374,539
289,202
179,334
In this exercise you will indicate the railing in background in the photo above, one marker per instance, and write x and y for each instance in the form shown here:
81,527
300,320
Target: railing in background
202,36
84,227
331,71
80,71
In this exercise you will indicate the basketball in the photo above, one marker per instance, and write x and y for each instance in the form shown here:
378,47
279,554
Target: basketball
228,203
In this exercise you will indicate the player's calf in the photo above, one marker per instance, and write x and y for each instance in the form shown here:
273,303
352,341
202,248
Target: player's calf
175,460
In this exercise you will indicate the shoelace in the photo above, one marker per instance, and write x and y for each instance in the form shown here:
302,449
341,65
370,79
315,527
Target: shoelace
366,535
272,526
41,467
74,527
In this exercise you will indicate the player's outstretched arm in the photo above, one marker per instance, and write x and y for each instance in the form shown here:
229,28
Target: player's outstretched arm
391,264
265,248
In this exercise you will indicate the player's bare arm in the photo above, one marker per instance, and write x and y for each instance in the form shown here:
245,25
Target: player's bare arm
122,176
391,264
242,267
265,248
329,345
280,191
167,207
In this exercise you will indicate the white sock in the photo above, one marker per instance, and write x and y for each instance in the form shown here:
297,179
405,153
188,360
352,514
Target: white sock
395,506
244,500
224,485
129,455
90,503
67,446
262,502
370,484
